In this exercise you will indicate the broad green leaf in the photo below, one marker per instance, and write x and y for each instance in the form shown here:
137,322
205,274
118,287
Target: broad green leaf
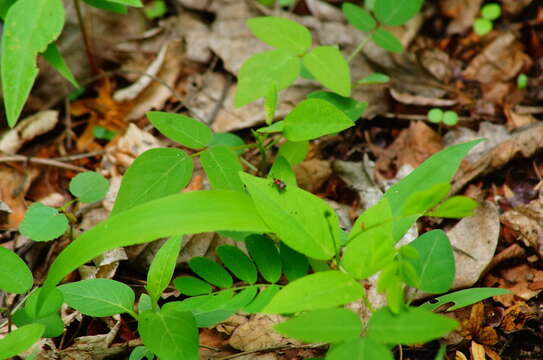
192,286
462,298
15,276
108,6
4,7
238,263
277,67
169,333
281,33
313,118
295,265
482,26
296,216
277,126
358,17
30,26
270,104
135,3
89,186
375,78
324,325
440,168
222,166
181,129
396,12
162,267
370,246
455,207
20,340
414,326
262,299
294,151
188,213
51,305
282,170
210,271
55,59
266,256
386,40
140,352
316,291
227,139
422,201
435,115
330,68
156,9
491,11
43,223
435,266
99,297
53,324
359,349
352,108
154,174
144,303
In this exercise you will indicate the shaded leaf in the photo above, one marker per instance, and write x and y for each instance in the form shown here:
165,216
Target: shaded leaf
266,256
238,263
210,271
295,265
192,286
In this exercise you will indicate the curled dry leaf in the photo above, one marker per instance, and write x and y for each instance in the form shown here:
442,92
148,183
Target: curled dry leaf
474,240
27,129
516,316
257,334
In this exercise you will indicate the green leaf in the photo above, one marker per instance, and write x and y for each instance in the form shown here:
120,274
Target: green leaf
135,3
188,213
55,59
359,349
192,286
330,68
156,9
491,11
277,126
295,265
140,352
450,118
277,67
43,223
462,298
282,170
15,276
294,151
358,17
4,7
222,166
100,132
482,26
371,246
522,81
89,186
455,207
262,299
169,333
154,174
422,201
281,33
20,340
226,139
30,26
296,216
270,105
414,326
316,291
108,6
440,168
181,129
238,263
144,303
162,267
396,12
325,325
54,326
375,78
99,297
210,271
51,305
386,40
313,118
266,256
435,266
435,115
352,108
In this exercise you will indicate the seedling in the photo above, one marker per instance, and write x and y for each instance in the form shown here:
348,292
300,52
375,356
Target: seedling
522,81
437,116
489,13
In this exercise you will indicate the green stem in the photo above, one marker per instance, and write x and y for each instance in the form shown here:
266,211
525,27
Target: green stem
360,46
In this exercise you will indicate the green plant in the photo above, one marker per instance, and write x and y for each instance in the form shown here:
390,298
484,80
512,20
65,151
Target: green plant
437,116
284,228
489,13
30,29
522,81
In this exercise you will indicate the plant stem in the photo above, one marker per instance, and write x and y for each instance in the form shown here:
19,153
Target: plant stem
86,39
360,47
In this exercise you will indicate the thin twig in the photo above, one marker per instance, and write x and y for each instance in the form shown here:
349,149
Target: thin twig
415,117
86,39
41,161
275,348
220,103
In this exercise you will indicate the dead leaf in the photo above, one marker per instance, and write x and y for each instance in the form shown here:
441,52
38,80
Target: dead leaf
13,188
516,316
257,334
324,11
527,222
312,174
27,129
474,240
523,280
477,351
463,13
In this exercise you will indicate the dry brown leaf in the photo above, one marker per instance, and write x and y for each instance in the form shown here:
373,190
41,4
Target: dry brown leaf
474,240
13,188
27,129
527,221
411,99
311,174
257,334
477,351
524,281
459,356
463,13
